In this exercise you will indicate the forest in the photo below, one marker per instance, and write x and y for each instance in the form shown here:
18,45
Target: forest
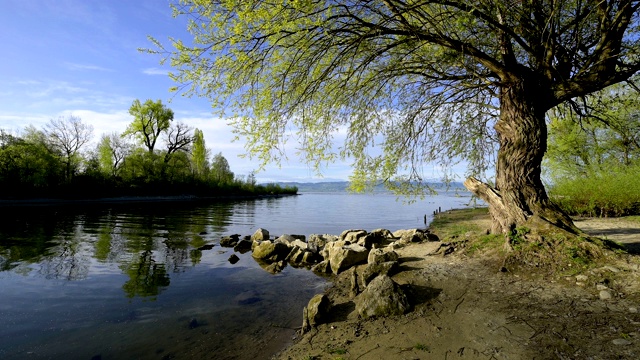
153,156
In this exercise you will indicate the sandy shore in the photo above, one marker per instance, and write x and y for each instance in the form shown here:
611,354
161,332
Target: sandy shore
465,309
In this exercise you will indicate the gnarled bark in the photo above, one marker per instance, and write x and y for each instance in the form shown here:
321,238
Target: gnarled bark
519,197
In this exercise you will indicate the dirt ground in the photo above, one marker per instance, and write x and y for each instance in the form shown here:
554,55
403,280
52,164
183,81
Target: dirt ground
464,308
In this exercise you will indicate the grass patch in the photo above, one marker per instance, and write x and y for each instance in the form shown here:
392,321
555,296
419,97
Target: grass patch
421,347
530,249
453,224
338,351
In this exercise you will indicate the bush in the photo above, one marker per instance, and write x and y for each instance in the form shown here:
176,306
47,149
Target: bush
602,194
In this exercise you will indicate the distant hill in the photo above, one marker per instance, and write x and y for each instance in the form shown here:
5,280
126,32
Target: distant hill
342,186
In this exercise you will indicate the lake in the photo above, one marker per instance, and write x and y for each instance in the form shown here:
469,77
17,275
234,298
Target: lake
137,281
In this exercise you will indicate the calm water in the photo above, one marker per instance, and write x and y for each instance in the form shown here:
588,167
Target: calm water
133,281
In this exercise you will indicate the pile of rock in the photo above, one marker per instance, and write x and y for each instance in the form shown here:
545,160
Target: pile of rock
374,292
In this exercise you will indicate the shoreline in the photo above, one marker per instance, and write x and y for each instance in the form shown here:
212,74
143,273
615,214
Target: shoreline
463,307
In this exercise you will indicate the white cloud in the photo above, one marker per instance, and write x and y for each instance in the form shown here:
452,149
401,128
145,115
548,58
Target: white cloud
155,71
74,66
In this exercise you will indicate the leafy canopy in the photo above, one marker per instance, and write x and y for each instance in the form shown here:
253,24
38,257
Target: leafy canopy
404,82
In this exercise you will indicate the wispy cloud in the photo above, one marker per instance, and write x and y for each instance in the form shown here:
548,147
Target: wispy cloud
155,71
86,67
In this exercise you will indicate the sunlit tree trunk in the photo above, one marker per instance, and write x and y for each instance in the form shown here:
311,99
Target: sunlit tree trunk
519,197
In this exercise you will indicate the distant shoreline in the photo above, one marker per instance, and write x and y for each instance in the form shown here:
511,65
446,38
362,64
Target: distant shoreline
134,200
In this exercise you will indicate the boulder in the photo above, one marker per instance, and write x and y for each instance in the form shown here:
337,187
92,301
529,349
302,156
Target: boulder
378,238
322,268
342,258
383,297
299,243
233,259
243,246
310,258
372,270
377,256
270,251
352,236
319,241
316,312
295,255
260,235
230,241
332,247
411,235
285,239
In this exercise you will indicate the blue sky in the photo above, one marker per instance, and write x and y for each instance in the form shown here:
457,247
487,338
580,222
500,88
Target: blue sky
81,58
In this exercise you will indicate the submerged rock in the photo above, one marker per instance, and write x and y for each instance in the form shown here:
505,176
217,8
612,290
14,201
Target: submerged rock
233,259
230,241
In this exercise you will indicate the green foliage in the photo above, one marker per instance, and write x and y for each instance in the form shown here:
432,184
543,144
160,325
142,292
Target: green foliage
403,83
593,160
151,119
31,167
199,155
600,193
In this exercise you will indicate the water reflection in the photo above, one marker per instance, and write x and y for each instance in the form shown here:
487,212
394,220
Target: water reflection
147,243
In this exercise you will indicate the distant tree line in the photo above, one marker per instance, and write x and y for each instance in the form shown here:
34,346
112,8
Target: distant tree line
153,156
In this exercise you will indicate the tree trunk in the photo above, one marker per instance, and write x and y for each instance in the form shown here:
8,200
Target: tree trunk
519,197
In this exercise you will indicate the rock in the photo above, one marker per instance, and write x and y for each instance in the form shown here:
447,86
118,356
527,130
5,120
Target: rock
300,237
285,239
621,342
243,246
322,268
316,312
605,295
581,278
310,258
295,255
270,251
332,247
193,323
601,287
233,259
372,270
230,241
260,235
432,237
344,257
611,268
299,243
319,241
382,234
206,247
411,235
352,236
383,297
377,256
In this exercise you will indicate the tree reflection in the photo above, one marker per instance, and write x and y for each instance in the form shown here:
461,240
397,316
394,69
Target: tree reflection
146,277
147,243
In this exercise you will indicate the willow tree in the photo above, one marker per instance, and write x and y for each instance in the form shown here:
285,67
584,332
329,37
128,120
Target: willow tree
410,82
